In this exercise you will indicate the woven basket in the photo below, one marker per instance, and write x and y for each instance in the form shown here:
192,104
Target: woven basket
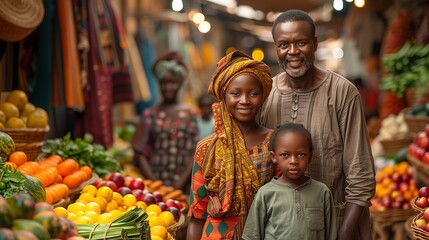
64,202
418,164
392,215
28,140
415,123
179,224
392,146
75,192
418,233
19,18
408,229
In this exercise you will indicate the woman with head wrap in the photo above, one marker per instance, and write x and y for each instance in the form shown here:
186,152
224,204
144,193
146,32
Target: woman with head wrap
166,136
231,164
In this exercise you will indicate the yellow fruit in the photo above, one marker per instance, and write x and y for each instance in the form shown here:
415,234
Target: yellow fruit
76,207
71,216
105,218
83,220
159,231
9,109
93,207
102,202
29,108
153,237
15,122
86,197
2,126
18,98
129,200
37,119
116,213
168,218
105,192
61,211
154,208
141,204
117,197
93,215
89,189
2,117
155,221
111,205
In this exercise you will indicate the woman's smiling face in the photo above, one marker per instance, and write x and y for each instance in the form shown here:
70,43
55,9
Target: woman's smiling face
243,97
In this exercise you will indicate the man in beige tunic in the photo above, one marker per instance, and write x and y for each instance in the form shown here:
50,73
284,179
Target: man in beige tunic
330,107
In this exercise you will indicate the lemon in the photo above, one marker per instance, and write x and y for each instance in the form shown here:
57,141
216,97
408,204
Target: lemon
159,231
83,220
116,213
93,206
168,218
91,189
117,197
102,202
153,237
129,200
93,215
71,216
76,207
156,221
154,208
105,192
18,98
141,204
111,205
61,211
86,197
105,218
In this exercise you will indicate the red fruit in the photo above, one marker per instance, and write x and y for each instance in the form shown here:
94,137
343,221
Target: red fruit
422,140
424,192
162,205
158,196
124,190
109,184
179,204
422,202
421,223
137,192
171,203
427,129
149,199
141,197
137,183
128,180
175,212
426,214
425,158
117,178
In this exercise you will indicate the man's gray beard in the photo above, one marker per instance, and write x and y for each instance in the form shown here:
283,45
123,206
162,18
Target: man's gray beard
307,66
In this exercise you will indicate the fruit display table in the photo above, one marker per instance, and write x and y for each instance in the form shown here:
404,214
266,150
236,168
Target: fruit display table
390,224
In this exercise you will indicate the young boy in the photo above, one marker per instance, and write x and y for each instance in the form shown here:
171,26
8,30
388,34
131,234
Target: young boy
293,206
205,121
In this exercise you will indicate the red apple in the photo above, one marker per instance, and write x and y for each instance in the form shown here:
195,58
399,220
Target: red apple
406,205
124,190
162,205
149,199
137,192
179,204
426,214
396,177
158,196
117,178
97,182
422,140
141,197
421,223
424,192
427,227
175,212
387,201
137,183
171,203
127,181
110,184
422,202
419,152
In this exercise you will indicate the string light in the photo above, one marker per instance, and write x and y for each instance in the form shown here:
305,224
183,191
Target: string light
360,3
177,5
338,5
204,27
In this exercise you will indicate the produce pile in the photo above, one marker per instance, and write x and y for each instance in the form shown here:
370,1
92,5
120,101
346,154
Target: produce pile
422,202
420,147
395,188
22,218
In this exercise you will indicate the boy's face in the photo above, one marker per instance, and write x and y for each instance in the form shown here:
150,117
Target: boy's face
292,155
205,105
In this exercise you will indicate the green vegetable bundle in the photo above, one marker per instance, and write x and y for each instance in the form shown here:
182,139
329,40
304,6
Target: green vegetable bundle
409,67
11,181
83,151
130,225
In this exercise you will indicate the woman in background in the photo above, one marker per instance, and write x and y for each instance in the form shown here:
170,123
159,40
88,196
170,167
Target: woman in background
166,136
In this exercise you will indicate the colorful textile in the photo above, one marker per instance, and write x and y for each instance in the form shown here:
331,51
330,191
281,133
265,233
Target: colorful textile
231,179
167,143
224,227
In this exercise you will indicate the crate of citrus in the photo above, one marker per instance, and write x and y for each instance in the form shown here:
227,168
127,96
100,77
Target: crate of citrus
27,124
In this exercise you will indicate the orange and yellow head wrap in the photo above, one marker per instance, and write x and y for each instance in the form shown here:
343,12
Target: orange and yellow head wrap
234,64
